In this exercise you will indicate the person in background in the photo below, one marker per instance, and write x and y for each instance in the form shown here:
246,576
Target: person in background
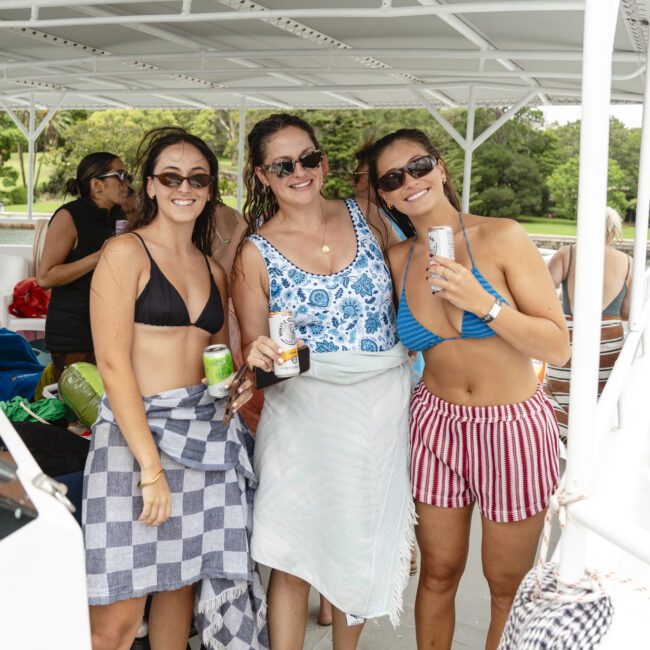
617,280
168,486
482,429
77,232
332,509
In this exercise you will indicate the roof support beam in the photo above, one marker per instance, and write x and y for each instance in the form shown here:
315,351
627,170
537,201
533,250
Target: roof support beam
469,149
599,28
447,126
519,6
240,153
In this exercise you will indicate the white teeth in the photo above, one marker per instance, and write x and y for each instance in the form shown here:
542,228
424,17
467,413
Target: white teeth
417,195
301,185
182,202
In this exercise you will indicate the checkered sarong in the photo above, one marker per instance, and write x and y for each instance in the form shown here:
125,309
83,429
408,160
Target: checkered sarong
537,623
205,542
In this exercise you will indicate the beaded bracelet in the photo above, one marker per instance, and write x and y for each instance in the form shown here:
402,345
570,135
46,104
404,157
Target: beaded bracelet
142,484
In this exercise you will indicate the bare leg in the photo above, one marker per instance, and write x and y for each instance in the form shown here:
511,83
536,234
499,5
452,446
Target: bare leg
287,598
170,619
443,537
508,552
345,636
113,627
325,611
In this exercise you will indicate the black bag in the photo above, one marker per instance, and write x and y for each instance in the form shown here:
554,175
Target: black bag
57,450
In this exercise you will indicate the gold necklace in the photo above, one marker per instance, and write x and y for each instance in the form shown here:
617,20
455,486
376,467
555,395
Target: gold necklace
324,248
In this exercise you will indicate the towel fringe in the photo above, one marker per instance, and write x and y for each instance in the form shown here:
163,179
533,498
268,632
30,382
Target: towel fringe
211,610
404,565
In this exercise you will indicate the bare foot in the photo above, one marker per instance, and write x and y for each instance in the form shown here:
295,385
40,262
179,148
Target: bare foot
325,612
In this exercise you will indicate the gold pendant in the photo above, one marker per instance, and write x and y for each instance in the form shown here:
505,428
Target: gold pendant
325,249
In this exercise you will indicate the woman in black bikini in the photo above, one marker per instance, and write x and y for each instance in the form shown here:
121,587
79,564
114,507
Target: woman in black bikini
161,461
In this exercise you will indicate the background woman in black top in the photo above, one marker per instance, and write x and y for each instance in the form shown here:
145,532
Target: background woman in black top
75,236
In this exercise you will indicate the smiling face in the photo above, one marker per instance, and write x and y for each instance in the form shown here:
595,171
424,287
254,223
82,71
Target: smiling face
416,196
304,183
185,202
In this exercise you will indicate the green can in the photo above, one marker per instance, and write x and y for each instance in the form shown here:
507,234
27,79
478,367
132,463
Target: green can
219,368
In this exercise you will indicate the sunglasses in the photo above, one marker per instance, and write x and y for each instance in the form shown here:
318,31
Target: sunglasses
283,168
170,179
357,176
121,175
416,168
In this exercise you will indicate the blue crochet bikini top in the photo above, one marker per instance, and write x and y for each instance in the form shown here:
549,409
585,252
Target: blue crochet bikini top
416,337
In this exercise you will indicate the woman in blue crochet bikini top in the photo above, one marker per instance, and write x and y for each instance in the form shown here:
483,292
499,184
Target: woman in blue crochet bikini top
481,428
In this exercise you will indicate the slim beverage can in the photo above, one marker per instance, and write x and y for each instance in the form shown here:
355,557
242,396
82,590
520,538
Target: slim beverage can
440,240
120,226
217,361
283,333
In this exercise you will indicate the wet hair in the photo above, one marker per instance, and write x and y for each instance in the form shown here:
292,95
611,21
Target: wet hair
417,137
92,166
149,150
613,226
261,204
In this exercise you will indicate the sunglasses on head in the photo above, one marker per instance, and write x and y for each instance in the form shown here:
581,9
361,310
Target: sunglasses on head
417,168
121,175
283,168
171,179
357,176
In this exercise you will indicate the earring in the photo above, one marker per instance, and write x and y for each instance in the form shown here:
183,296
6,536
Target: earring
390,206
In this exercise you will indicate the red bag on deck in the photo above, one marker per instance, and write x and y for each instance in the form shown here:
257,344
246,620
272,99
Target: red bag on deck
30,300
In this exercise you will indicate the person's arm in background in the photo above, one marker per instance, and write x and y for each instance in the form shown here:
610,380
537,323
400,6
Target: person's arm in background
61,238
227,222
557,265
112,310
228,256
625,305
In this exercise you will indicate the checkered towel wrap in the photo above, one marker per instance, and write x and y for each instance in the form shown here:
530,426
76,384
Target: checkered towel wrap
205,542
537,623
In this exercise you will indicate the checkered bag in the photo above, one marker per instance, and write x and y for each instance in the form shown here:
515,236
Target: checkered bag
579,621
205,541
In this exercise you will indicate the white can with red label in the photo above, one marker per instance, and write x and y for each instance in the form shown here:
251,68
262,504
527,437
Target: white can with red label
440,240
283,333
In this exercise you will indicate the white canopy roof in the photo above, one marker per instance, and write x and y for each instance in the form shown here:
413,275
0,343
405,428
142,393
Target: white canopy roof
310,54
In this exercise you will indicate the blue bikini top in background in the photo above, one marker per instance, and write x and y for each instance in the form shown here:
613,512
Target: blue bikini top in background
416,337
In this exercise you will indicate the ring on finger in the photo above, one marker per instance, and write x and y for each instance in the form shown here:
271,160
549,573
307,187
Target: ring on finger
444,273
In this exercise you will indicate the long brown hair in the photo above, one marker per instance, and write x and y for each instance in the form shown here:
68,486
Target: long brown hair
418,137
149,150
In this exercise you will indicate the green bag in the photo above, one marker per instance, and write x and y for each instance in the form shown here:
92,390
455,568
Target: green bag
81,388
49,410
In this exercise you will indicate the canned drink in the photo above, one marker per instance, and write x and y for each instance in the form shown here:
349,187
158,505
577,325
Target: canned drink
217,361
283,333
440,240
120,225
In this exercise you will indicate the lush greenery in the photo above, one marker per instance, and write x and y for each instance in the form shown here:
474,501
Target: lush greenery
524,168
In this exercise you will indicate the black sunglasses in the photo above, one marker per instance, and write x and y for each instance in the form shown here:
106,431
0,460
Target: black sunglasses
357,176
283,168
170,179
417,168
121,175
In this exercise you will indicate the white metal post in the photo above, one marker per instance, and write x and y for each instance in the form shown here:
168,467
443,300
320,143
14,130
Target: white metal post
469,138
642,207
240,153
31,157
599,26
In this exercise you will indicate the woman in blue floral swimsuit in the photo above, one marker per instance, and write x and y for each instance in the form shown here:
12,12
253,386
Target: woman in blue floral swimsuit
332,508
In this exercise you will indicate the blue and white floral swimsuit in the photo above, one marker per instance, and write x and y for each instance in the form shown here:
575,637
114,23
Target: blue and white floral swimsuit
352,309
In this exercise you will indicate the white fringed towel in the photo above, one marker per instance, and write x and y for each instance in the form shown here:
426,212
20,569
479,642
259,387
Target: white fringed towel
333,505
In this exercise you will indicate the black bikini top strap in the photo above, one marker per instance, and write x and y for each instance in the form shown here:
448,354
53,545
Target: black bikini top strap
145,247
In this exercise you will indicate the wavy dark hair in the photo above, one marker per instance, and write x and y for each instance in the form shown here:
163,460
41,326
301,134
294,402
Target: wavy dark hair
149,150
93,165
261,204
418,137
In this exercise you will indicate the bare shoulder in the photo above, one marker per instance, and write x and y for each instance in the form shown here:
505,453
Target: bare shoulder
126,245
398,254
498,230
226,216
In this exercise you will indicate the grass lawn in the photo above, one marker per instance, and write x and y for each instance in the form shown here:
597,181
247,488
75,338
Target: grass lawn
559,227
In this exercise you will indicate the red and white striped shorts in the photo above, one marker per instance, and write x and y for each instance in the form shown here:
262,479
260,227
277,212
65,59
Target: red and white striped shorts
503,457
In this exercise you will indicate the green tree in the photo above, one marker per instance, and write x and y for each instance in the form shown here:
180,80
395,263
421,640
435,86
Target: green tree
563,184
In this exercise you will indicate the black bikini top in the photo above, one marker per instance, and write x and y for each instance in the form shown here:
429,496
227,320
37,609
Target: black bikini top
160,304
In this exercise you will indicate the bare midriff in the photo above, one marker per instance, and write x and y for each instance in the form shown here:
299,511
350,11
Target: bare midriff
478,372
168,357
